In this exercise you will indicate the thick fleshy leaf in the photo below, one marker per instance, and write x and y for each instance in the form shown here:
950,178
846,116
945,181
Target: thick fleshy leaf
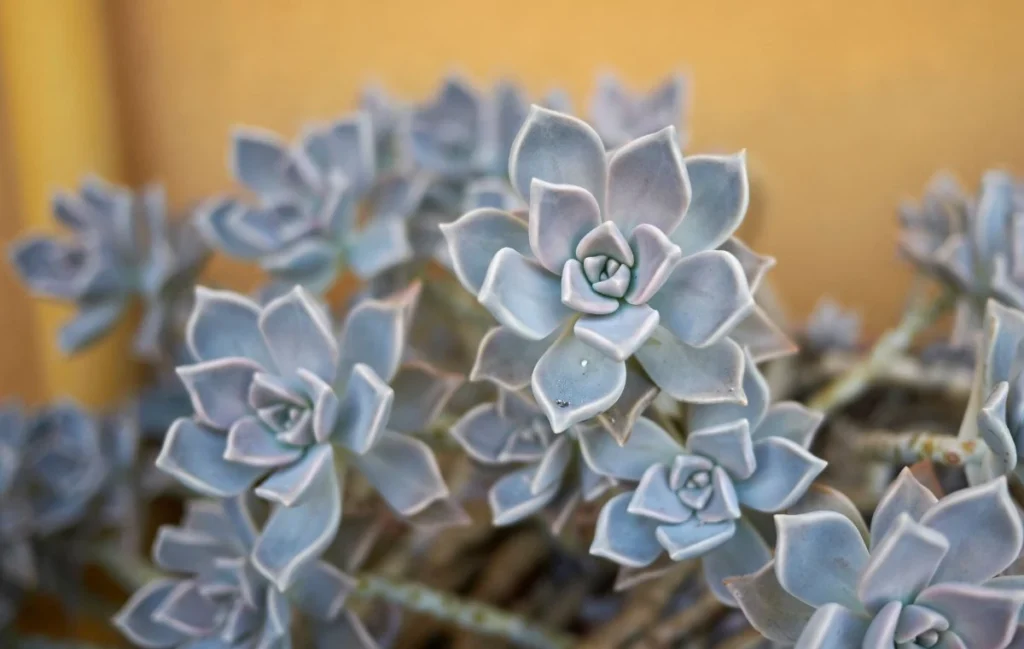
607,242
374,333
655,258
252,443
648,183
560,216
755,266
721,193
195,455
512,498
182,550
620,334
507,360
729,445
648,444
883,626
135,619
380,245
834,627
365,410
904,496
219,389
819,558
311,263
745,553
225,325
93,321
215,221
654,498
762,337
476,237
523,296
771,610
790,420
625,538
404,471
258,159
757,398
902,565
572,382
187,611
298,333
704,298
484,433
982,617
298,533
320,590
994,431
974,557
421,393
578,293
638,394
821,497
55,268
552,465
784,472
694,537
711,374
559,149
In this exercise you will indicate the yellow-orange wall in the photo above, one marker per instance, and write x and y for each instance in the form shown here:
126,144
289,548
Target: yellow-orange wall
844,107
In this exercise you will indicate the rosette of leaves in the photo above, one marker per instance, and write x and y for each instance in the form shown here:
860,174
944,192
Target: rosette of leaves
977,255
924,576
690,499
620,116
830,327
221,601
17,567
304,226
995,409
462,134
122,247
540,471
284,408
617,259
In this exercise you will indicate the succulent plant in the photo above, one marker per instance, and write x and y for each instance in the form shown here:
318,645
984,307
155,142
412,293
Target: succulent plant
464,134
281,403
689,497
969,244
123,247
305,225
17,567
831,327
925,575
222,601
605,257
545,472
620,116
995,410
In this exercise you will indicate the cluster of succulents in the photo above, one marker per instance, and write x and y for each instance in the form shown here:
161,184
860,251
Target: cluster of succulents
554,320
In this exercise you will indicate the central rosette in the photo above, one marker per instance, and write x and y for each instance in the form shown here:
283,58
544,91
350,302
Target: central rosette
607,275
705,489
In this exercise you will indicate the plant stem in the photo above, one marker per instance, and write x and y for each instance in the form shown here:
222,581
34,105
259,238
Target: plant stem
465,614
129,571
847,387
912,447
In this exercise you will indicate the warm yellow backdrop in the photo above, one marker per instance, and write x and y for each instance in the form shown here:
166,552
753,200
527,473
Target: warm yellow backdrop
844,107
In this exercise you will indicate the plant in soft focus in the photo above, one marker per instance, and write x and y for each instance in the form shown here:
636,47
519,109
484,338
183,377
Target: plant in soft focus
923,577
616,259
122,248
224,602
304,226
689,499
620,116
639,394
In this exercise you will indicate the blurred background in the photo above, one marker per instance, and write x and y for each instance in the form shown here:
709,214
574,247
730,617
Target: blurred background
845,109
